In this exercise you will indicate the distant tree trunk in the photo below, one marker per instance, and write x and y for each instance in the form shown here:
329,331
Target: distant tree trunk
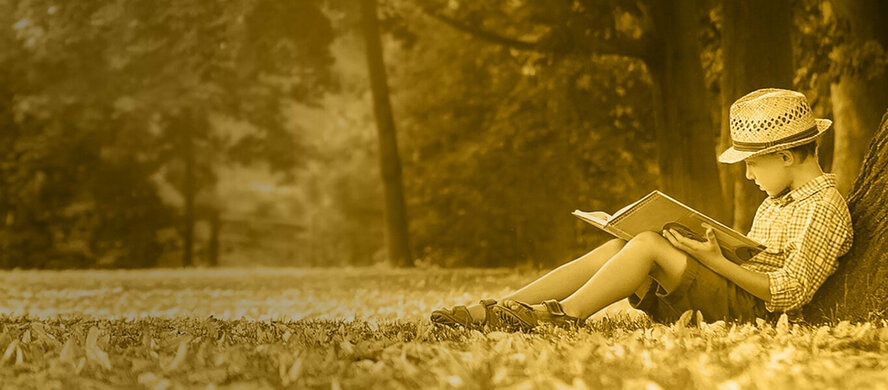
189,193
397,236
684,132
757,47
213,245
857,97
6,219
859,288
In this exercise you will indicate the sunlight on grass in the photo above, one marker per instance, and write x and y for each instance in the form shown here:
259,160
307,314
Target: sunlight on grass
359,328
255,294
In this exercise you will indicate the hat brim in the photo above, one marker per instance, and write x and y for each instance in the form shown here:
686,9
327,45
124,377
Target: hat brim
733,155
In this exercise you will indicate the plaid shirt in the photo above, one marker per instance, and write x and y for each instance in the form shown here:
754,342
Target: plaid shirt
805,232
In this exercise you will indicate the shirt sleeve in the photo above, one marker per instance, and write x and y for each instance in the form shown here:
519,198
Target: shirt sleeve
818,236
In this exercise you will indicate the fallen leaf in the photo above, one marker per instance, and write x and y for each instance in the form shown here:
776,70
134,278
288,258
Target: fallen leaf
68,355
684,320
295,371
19,358
10,352
93,352
783,325
181,354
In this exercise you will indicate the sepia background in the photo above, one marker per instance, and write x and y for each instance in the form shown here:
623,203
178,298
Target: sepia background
241,133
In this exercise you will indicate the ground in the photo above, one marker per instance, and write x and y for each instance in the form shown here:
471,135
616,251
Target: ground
368,327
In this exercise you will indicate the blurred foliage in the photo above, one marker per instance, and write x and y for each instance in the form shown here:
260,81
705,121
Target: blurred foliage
116,115
339,199
497,156
105,104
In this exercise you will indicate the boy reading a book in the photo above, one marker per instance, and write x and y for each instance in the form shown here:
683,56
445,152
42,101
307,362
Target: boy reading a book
804,224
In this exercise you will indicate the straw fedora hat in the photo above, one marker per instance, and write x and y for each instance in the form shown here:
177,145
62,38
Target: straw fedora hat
769,120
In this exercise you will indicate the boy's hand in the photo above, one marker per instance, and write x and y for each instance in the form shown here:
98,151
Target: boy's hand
704,251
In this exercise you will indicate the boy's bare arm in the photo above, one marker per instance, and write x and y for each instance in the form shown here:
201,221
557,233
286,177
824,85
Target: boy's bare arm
709,254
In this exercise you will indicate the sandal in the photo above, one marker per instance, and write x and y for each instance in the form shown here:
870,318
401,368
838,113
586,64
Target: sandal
519,315
460,316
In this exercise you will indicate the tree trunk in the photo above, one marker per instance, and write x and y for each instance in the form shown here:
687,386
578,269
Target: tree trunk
857,97
684,130
189,191
213,245
397,236
757,47
859,288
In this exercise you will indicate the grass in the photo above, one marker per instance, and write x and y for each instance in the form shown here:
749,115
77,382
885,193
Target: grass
360,328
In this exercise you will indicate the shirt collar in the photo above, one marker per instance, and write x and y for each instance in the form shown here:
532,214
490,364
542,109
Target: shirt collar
812,187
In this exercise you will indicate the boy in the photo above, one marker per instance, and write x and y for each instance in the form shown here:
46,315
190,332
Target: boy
804,223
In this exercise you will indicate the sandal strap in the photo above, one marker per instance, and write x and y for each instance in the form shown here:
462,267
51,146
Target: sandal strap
558,314
521,315
491,319
554,307
457,315
460,315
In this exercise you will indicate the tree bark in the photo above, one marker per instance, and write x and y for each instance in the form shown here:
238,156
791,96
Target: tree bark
213,245
397,236
857,96
684,132
859,288
757,47
189,189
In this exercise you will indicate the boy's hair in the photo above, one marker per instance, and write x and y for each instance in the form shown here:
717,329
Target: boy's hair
802,152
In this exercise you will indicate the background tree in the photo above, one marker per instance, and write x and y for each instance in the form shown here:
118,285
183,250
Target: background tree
860,90
397,237
72,168
757,53
662,35
256,48
143,90
684,131
507,142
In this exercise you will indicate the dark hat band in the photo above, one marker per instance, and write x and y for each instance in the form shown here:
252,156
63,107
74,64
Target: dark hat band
757,146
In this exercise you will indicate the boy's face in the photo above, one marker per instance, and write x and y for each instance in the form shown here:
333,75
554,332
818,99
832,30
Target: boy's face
770,172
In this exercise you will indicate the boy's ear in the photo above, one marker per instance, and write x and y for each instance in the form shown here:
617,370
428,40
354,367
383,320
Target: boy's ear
787,157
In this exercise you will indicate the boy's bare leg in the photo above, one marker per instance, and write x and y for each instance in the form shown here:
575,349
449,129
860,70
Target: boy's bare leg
562,281
646,255
566,279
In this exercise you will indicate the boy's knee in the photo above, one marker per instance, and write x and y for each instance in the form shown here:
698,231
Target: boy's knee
670,261
648,238
614,244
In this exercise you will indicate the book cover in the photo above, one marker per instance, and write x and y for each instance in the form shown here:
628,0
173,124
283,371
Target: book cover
657,211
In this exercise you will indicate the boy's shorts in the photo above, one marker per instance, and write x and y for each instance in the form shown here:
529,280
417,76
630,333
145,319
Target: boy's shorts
716,297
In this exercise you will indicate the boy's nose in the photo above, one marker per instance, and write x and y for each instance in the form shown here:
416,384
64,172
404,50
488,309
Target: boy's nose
749,174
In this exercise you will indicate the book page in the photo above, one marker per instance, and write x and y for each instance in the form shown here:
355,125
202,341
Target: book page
630,206
598,218
656,210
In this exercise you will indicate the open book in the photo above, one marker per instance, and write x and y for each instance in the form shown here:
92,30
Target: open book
657,211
